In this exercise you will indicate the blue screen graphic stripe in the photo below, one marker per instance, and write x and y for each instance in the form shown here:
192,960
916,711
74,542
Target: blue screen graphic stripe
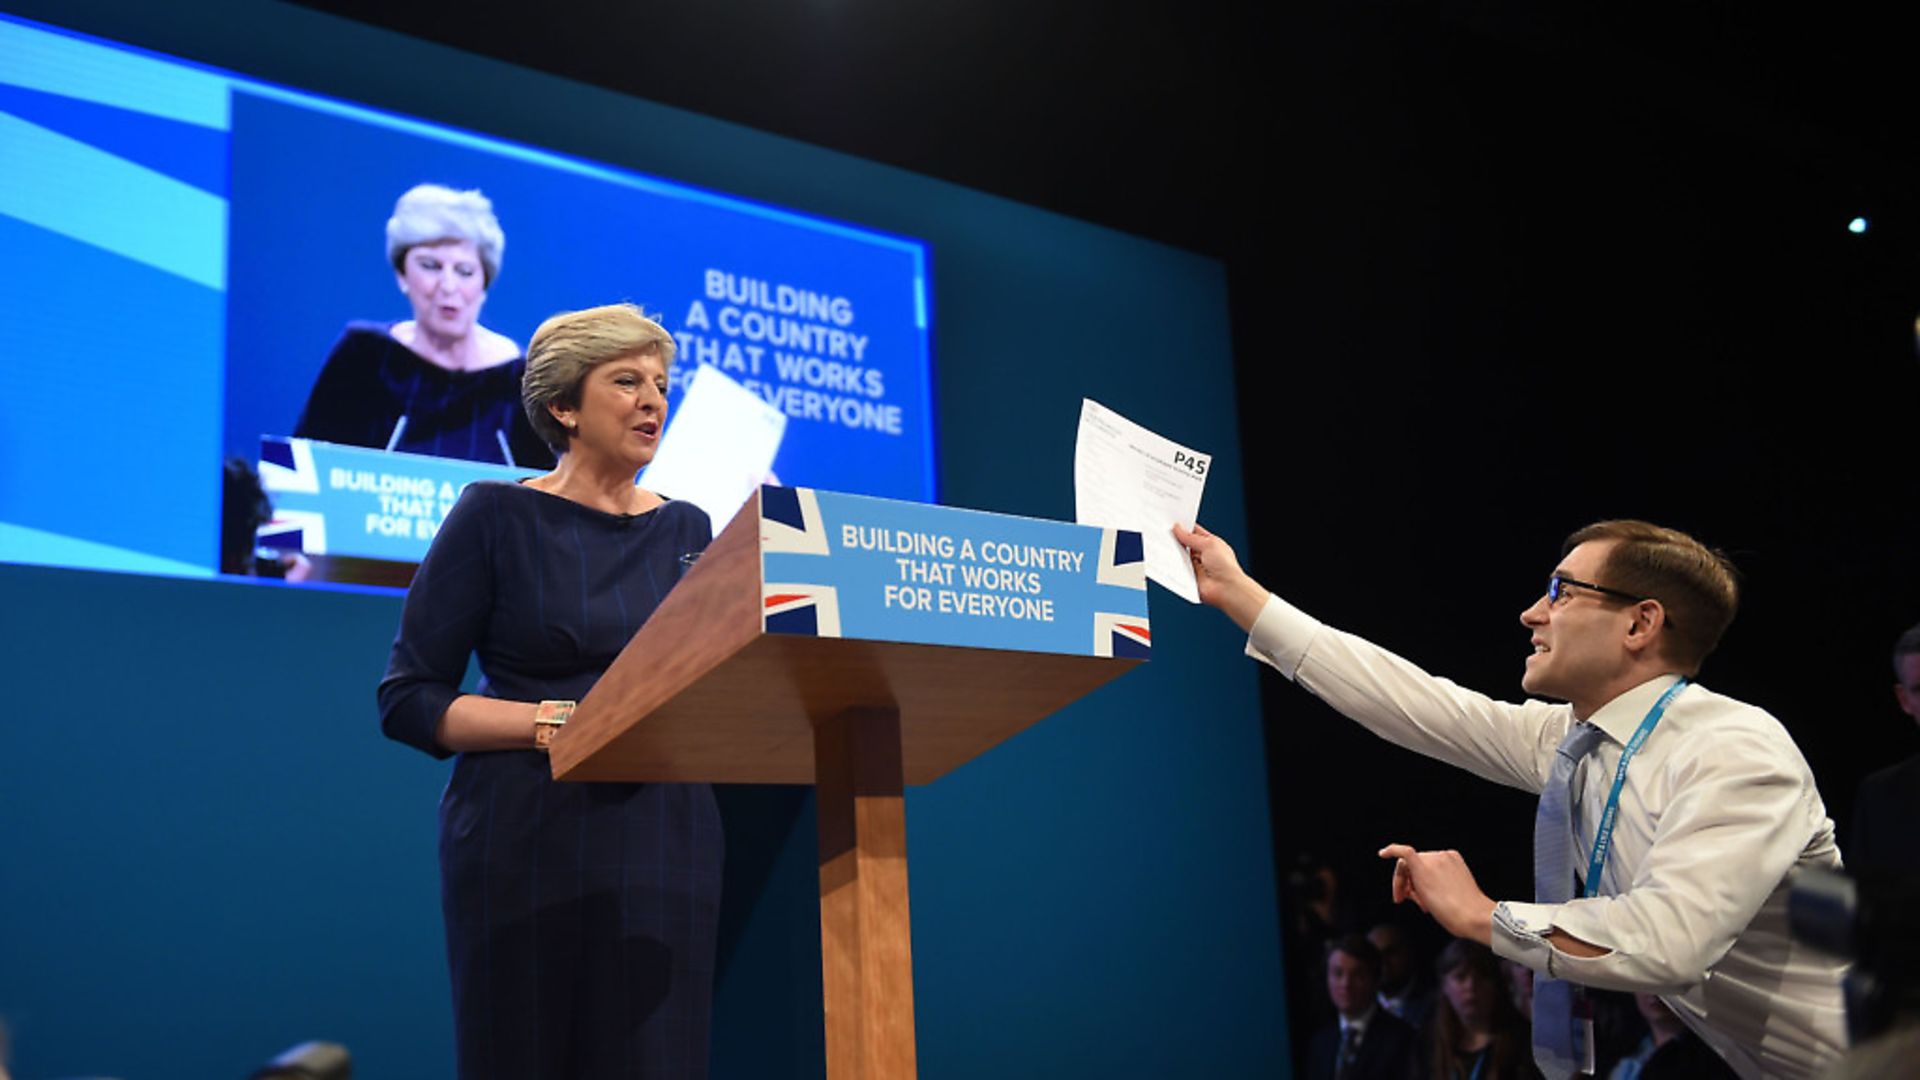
55,63
107,201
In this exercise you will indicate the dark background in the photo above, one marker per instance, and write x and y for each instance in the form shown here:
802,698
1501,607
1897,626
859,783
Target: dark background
1495,272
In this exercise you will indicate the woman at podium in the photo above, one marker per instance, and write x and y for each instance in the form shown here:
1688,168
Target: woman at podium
439,383
580,918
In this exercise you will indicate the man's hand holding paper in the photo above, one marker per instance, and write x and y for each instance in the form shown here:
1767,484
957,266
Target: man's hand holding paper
1127,477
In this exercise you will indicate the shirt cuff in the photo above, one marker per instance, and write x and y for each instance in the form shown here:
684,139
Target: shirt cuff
1520,934
1281,634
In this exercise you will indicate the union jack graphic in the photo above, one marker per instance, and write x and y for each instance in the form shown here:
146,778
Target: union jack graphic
807,610
286,465
287,468
790,522
1121,635
295,530
1123,559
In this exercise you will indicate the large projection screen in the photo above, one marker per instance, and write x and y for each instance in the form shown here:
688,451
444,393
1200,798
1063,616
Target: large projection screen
187,246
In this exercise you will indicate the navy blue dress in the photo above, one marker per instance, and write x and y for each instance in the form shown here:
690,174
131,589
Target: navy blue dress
580,918
370,381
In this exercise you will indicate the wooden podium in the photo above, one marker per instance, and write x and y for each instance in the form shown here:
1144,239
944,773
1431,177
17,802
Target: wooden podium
707,692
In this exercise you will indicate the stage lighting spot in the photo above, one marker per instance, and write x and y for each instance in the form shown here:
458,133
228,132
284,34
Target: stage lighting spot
1857,225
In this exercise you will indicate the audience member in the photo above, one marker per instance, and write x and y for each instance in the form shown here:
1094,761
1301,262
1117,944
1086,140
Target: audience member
1404,990
1518,979
1315,914
1617,1028
1669,1050
1475,1034
1367,1042
1884,839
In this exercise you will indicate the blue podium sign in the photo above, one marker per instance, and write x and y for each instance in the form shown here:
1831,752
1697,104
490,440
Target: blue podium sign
330,499
850,566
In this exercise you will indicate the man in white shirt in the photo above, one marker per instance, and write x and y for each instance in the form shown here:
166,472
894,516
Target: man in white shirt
1690,897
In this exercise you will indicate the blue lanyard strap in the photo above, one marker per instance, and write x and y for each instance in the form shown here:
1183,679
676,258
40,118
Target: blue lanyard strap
1603,837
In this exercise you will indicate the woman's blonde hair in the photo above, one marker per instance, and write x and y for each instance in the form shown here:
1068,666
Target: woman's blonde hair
572,343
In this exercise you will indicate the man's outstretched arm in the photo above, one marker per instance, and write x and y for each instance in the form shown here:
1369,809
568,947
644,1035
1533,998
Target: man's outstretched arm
1389,696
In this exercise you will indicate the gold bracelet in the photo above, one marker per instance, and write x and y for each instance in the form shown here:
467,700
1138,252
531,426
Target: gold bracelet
547,721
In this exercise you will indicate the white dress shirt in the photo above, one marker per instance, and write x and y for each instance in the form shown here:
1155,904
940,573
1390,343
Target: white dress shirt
1350,1025
1717,807
1352,1031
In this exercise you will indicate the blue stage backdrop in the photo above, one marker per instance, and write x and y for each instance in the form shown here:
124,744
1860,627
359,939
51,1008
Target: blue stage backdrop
211,854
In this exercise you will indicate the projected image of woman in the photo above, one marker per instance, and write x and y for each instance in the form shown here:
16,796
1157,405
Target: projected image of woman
580,917
438,383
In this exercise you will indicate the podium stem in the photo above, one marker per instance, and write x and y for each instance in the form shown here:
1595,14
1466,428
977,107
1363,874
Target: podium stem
865,933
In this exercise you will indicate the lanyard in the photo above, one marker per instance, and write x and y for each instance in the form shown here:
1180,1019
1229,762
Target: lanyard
1479,1063
1603,837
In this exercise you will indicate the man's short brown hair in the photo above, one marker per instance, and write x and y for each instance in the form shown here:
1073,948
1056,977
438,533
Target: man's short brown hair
1693,582
1358,947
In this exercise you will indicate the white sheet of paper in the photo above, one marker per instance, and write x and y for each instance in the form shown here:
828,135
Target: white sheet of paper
1127,477
719,446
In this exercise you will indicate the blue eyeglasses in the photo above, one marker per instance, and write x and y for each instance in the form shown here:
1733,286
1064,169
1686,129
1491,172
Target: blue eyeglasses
1558,583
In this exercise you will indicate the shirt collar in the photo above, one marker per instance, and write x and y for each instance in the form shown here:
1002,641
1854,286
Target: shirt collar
1619,718
1360,1021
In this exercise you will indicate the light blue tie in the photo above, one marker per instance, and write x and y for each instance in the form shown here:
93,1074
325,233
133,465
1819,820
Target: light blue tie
1555,1049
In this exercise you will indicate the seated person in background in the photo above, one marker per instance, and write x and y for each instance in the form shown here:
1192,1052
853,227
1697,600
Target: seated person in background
1617,1030
439,383
1519,982
1669,1050
1316,914
1617,1027
1403,990
1475,1033
1884,840
1368,1042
